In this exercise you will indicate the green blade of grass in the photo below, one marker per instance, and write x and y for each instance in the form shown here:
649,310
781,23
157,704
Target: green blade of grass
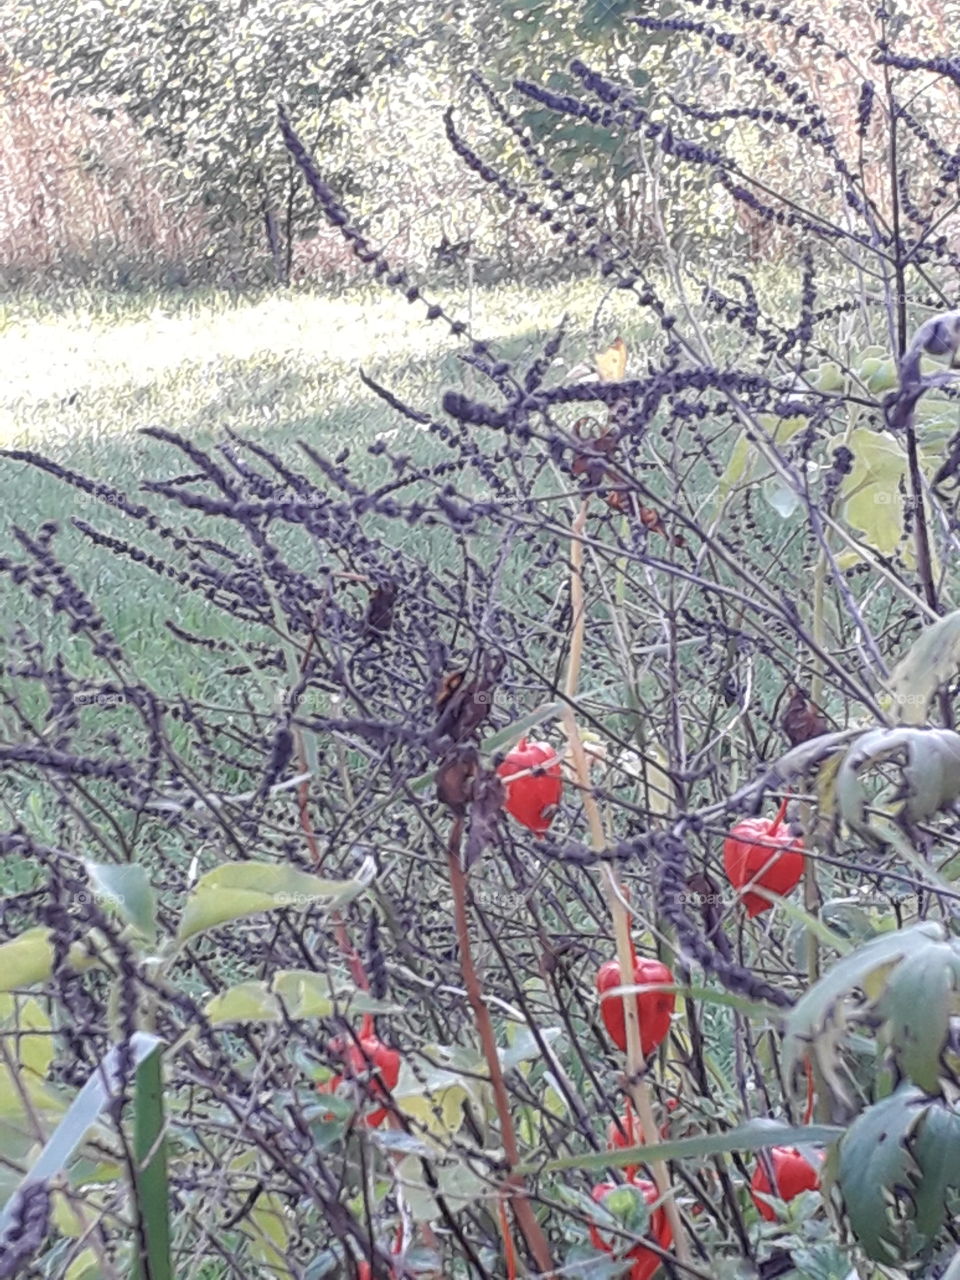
748,1137
152,1191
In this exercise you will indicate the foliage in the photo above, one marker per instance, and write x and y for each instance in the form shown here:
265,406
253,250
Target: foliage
714,569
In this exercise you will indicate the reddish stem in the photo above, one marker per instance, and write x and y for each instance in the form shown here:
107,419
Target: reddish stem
512,1187
781,814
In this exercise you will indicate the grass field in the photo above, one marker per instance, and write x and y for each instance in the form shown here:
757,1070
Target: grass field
84,372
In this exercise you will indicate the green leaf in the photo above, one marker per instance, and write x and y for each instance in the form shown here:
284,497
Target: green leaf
458,1184
931,661
819,1007
524,1047
895,1165
127,889
240,889
878,374
931,773
918,1000
823,1262
753,1136
151,1191
872,489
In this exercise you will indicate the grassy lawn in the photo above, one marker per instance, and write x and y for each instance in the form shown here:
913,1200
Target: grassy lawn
84,372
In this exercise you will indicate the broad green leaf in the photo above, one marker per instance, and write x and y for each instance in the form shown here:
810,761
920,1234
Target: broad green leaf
820,1019
745,455
524,1047
306,994
240,889
918,1001
931,773
125,887
878,374
458,1184
894,1166
931,661
823,1262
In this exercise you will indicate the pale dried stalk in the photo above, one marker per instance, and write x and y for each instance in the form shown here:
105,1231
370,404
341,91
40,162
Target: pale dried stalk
637,1088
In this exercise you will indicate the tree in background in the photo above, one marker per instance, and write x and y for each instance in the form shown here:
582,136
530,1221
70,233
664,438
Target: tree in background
201,80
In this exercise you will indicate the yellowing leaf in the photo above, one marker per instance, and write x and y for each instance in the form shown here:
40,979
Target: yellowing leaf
246,1002
271,1234
26,959
659,788
439,1112
876,458
877,513
612,363
874,500
44,1100
740,457
829,377
85,1266
34,1052
66,1218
